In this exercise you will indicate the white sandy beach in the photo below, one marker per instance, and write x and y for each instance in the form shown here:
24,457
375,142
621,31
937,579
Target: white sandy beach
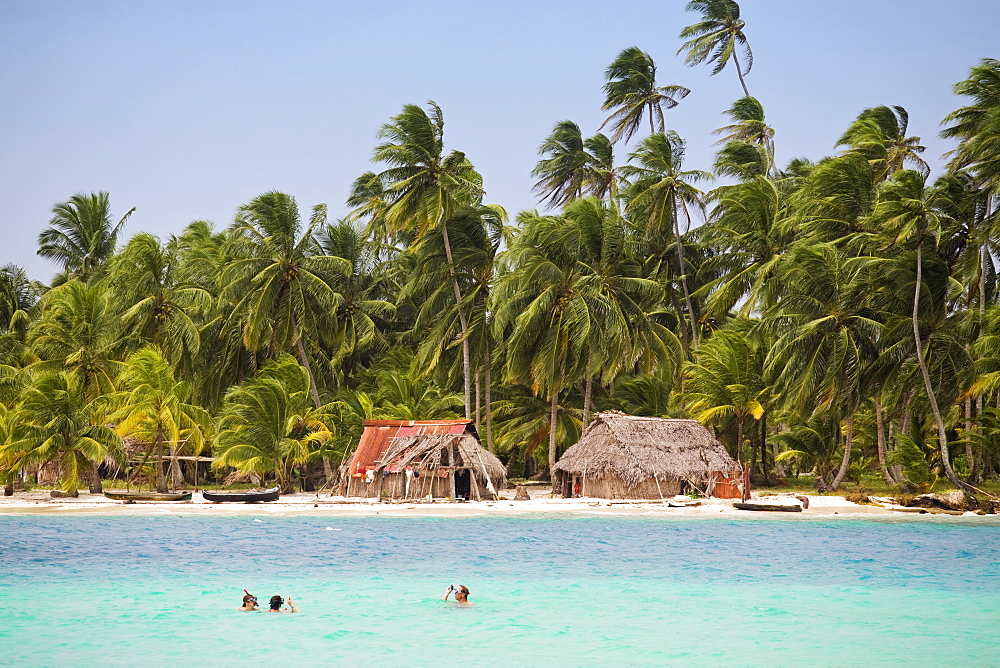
309,504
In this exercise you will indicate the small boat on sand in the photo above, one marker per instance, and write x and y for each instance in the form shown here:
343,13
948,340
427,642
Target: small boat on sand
242,497
125,495
773,507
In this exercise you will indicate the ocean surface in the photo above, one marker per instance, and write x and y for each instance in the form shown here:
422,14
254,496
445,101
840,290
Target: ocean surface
590,591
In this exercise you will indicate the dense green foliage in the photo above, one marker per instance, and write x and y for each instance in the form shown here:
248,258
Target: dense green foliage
838,317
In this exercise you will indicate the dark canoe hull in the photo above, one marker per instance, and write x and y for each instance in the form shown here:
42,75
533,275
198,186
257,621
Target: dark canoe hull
148,496
242,497
773,507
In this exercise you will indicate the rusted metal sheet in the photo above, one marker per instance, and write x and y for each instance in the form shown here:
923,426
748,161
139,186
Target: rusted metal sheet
378,434
733,485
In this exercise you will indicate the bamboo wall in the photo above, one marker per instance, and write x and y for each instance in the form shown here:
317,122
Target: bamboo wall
613,487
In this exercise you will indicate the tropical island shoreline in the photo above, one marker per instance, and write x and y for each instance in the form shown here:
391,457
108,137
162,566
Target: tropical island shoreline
311,505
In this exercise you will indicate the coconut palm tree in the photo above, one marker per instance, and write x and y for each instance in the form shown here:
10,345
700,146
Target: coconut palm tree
268,427
826,335
79,331
662,194
879,134
152,407
159,307
726,385
359,324
573,167
60,423
717,38
631,92
280,288
906,212
423,188
748,127
745,229
81,235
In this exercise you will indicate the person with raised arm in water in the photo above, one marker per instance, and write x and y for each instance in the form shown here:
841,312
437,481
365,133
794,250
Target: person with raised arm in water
276,603
461,595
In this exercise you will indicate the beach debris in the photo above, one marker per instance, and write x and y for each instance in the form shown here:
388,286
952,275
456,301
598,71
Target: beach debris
804,499
521,494
955,501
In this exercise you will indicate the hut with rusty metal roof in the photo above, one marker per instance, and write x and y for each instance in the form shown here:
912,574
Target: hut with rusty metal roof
413,459
625,456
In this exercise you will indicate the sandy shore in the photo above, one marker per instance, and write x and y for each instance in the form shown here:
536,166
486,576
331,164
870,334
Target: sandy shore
309,504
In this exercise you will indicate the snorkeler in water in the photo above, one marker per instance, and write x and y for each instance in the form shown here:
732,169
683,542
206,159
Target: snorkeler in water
249,602
277,604
461,595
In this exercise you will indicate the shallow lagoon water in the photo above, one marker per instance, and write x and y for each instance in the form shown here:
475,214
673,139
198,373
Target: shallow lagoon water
573,590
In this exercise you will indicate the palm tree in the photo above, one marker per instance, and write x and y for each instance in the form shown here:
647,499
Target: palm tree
725,385
79,332
160,308
879,134
749,127
570,307
662,194
18,295
717,37
281,286
267,426
81,236
631,92
423,187
826,335
573,166
152,407
746,231
907,213
60,423
359,322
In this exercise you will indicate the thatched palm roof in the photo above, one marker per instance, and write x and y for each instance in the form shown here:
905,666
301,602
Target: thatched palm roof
644,448
426,451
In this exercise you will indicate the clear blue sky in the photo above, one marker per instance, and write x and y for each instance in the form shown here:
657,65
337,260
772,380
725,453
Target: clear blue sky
187,109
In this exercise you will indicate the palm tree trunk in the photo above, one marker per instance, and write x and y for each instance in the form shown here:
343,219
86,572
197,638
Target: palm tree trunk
931,397
466,359
95,479
848,443
880,441
739,73
684,285
588,387
553,411
487,363
161,479
313,390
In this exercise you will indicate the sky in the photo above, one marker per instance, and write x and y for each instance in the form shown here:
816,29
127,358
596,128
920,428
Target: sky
187,109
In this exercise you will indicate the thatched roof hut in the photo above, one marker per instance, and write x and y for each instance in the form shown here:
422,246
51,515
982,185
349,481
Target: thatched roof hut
410,459
624,456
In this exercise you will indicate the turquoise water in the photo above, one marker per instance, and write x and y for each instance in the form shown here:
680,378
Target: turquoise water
574,591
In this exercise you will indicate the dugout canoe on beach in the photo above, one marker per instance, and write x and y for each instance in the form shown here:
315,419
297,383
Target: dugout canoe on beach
125,495
773,507
243,496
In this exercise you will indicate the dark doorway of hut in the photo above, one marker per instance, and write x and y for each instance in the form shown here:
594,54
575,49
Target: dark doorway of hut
463,484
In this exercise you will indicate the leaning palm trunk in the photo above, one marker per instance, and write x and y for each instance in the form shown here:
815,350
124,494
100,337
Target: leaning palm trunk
588,388
848,444
95,480
466,359
880,442
684,285
931,398
313,390
743,83
161,479
489,401
553,409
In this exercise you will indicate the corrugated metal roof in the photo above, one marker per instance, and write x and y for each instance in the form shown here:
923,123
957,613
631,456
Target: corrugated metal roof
377,436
